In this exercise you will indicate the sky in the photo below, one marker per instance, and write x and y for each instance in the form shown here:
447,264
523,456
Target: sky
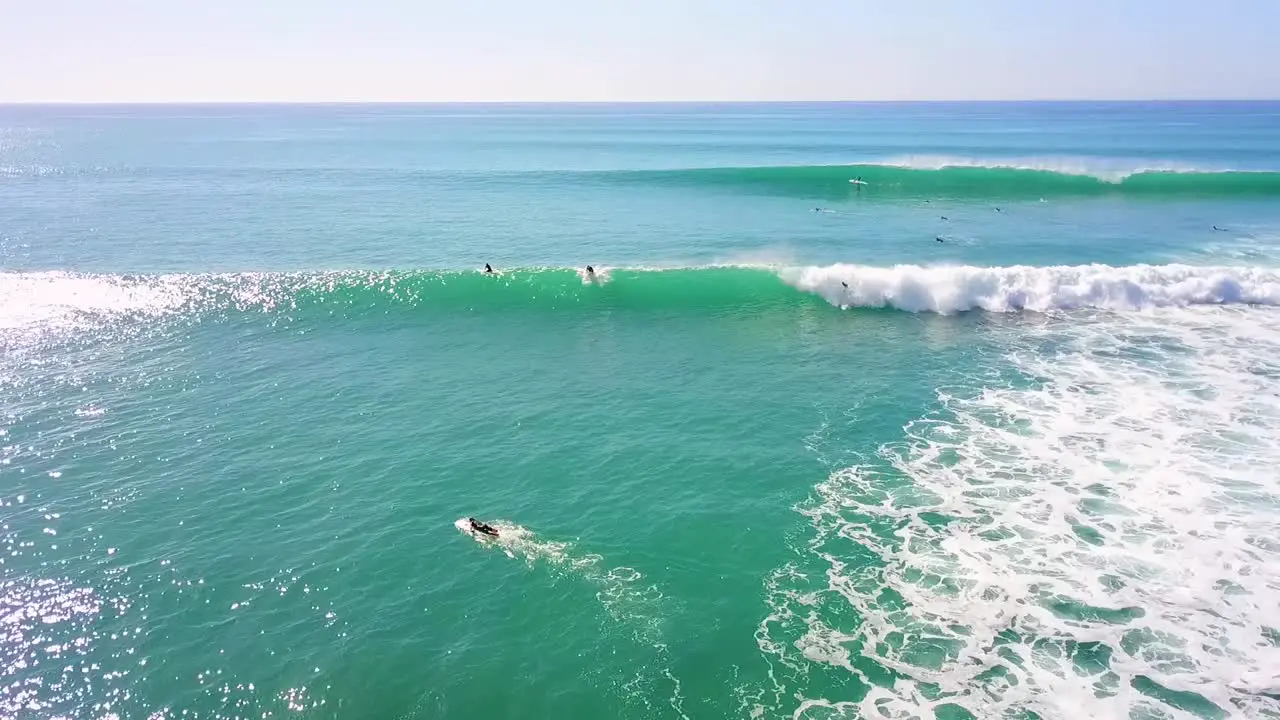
635,50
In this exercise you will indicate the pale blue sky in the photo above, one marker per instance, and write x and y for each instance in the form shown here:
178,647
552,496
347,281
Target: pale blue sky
517,50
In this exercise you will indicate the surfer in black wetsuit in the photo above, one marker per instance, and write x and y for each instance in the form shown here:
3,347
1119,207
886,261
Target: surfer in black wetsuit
482,528
939,239
591,271
1215,227
488,269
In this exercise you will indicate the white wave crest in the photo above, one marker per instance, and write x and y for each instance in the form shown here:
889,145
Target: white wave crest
951,289
1112,170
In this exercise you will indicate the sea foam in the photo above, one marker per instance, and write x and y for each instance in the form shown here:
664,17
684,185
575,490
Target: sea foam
950,289
1096,540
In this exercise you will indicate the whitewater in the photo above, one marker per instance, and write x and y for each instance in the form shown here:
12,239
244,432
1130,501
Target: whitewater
1091,541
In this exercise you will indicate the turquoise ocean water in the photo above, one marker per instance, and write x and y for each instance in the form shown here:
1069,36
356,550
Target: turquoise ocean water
992,435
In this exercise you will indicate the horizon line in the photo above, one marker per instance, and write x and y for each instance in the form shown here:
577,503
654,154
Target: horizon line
188,102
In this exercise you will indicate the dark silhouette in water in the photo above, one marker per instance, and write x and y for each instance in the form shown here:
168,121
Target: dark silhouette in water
939,239
944,217
591,271
487,268
482,528
1215,227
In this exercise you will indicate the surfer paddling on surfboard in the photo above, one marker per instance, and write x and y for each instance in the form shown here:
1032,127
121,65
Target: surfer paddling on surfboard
482,528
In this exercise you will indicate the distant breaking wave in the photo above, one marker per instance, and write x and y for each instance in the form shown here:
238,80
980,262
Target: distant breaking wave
1105,169
929,177
905,177
48,299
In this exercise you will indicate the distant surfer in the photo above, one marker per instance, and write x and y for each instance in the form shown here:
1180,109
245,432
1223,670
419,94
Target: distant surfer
1215,227
482,528
944,217
845,284
999,210
939,239
857,182
488,269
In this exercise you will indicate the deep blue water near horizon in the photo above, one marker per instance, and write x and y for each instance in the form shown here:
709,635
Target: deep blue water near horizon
989,433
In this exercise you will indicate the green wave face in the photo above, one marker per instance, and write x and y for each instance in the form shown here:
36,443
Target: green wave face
352,293
552,289
832,182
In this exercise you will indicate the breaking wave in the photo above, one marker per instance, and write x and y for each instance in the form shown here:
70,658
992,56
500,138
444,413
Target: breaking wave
925,177
56,299
1007,289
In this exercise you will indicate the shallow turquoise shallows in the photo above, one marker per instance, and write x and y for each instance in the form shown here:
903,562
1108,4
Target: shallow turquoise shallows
878,411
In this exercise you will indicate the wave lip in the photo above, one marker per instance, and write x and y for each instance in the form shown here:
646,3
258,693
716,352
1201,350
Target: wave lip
952,289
